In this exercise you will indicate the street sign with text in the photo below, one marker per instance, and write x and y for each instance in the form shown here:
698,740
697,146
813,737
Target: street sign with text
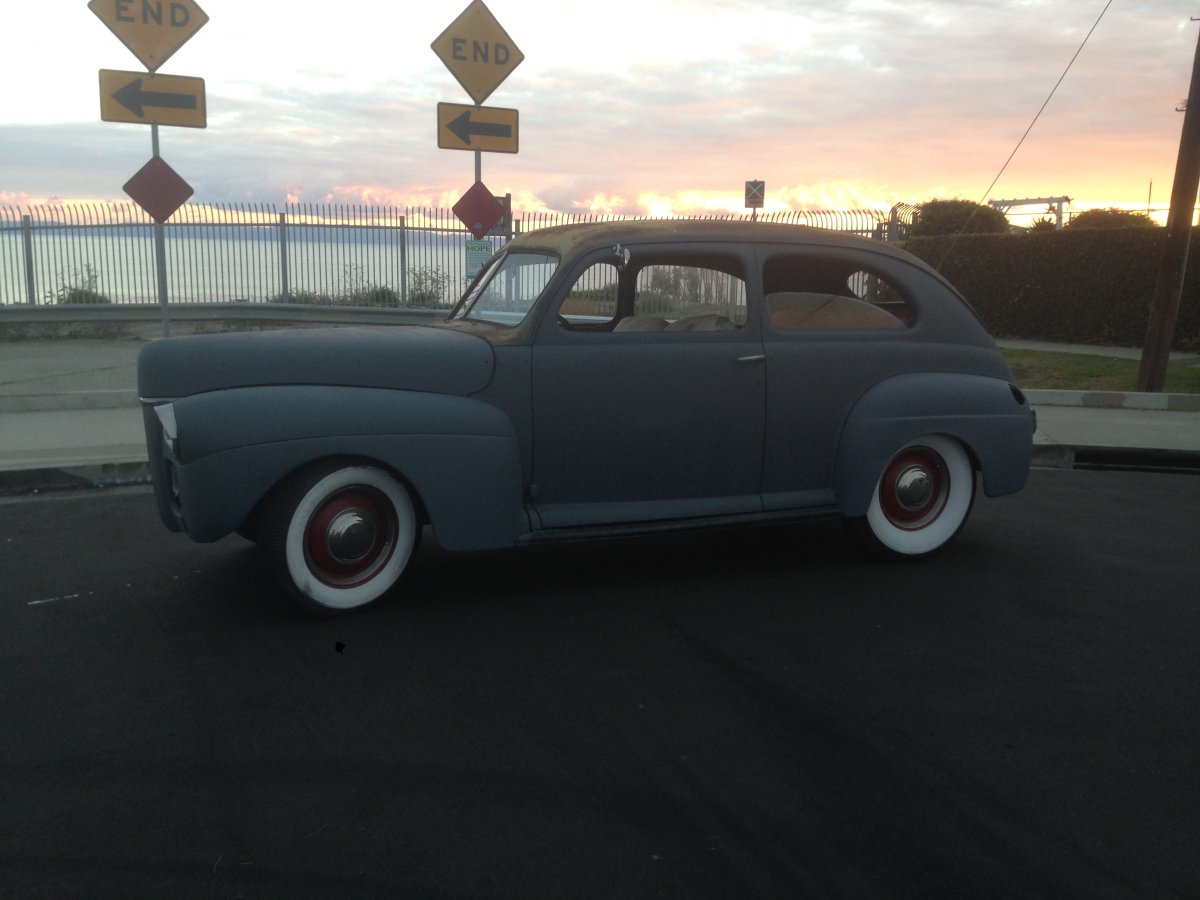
478,253
151,29
152,99
486,128
477,51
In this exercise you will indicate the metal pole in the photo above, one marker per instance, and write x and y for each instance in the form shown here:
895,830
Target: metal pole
30,275
286,293
404,260
160,249
160,259
1164,310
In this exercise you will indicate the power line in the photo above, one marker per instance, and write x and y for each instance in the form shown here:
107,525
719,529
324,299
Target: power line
1053,91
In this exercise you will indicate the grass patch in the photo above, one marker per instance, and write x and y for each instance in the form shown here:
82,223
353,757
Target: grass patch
1036,369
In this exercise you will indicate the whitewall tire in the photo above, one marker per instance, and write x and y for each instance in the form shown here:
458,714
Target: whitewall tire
340,535
922,498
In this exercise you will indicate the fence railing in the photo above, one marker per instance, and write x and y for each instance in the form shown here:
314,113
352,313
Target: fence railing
322,255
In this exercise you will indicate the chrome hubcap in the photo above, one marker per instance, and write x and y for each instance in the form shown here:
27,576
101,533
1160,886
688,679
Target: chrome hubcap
351,536
914,487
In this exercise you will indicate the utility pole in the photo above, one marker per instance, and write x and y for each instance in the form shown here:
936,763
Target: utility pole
1164,310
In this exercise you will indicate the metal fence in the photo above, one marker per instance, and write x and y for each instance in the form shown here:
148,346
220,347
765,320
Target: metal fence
314,254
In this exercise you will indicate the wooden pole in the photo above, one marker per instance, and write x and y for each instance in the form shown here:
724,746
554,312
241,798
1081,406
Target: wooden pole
1164,310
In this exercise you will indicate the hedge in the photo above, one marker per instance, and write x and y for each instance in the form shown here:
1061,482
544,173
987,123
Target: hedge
1077,287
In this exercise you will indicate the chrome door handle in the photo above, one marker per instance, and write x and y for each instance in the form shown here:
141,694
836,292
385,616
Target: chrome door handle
760,357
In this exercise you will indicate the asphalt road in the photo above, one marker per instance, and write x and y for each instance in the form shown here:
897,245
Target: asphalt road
763,713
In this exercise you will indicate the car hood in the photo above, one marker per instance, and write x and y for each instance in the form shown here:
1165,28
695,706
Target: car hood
403,357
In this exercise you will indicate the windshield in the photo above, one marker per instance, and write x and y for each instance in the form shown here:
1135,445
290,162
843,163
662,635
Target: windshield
506,291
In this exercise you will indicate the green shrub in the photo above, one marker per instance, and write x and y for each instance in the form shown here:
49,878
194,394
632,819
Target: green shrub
81,287
376,295
1111,218
957,217
426,286
308,298
1073,286
81,295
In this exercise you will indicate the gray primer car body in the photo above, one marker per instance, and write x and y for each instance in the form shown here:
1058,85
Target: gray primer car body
544,428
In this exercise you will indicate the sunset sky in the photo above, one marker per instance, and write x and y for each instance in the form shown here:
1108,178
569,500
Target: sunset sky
654,106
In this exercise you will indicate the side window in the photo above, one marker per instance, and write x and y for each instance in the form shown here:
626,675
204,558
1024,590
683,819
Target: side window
677,297
592,300
805,293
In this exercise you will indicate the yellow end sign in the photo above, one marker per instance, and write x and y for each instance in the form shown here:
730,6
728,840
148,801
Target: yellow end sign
486,128
477,51
152,99
151,29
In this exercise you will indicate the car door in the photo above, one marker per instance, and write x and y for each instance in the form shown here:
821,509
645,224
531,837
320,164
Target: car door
648,392
835,322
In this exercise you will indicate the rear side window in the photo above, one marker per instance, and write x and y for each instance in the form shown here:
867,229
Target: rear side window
808,293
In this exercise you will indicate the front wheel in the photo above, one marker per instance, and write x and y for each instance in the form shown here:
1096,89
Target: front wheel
339,535
922,499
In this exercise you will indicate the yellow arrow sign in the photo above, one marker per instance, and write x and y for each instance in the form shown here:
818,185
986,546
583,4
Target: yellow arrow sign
487,128
152,99
477,51
151,29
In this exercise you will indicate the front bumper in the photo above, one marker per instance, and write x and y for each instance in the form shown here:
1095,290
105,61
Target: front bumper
161,444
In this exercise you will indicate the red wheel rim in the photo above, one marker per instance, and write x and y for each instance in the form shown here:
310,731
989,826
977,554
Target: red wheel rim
914,488
350,536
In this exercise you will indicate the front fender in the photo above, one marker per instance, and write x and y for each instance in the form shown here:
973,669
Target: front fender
990,417
461,456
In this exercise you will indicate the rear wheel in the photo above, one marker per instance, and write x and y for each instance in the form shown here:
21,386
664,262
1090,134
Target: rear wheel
339,535
922,499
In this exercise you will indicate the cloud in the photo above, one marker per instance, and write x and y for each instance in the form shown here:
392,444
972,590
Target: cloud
656,103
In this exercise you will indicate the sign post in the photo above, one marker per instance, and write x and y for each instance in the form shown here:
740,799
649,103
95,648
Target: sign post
480,55
153,31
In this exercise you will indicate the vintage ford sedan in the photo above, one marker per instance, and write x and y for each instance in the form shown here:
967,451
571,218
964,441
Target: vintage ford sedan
595,380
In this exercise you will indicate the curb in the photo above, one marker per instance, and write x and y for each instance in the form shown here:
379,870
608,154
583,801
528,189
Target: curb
68,401
1123,459
1115,400
19,482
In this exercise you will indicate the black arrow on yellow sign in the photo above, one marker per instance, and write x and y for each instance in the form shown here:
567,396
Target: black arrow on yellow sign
482,129
464,129
134,99
152,99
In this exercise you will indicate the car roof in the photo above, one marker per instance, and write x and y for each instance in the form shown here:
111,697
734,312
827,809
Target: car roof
569,239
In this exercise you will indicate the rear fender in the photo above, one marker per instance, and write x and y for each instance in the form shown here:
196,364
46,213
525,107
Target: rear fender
990,417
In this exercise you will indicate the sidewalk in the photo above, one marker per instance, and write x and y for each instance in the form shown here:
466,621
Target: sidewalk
69,416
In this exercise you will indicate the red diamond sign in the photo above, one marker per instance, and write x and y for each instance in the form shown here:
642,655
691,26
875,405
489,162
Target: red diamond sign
478,210
158,189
